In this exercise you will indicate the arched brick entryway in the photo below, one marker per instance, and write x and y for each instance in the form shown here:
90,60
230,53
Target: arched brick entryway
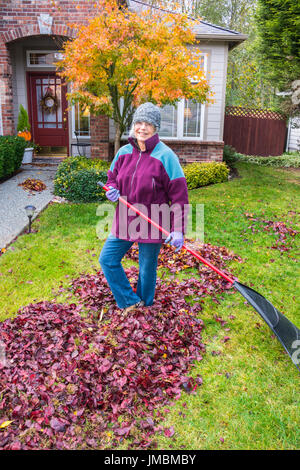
10,34
7,37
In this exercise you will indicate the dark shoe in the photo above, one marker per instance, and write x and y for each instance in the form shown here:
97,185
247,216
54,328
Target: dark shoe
124,311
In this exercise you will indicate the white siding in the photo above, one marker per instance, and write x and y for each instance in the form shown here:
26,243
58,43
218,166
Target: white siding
112,130
294,136
217,68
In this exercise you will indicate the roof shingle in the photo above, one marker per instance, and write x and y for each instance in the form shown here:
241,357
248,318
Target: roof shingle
202,30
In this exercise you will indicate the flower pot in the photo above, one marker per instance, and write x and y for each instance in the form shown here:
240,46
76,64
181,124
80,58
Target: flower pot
28,153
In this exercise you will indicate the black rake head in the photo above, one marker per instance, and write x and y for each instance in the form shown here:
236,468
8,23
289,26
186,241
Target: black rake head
287,333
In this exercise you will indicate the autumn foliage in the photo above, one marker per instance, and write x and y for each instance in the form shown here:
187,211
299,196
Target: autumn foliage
138,57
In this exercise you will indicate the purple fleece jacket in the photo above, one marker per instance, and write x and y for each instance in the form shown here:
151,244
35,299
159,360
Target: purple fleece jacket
153,181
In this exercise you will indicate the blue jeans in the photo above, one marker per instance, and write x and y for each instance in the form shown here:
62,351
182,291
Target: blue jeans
110,261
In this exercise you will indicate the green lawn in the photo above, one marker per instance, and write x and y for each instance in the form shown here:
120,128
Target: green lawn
250,393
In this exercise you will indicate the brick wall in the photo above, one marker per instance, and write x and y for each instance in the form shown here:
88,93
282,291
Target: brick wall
192,151
99,129
195,151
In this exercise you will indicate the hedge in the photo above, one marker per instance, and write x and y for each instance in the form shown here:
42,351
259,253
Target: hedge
203,174
80,163
11,154
76,179
285,160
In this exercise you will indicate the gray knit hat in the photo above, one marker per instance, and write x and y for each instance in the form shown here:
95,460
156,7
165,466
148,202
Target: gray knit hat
147,112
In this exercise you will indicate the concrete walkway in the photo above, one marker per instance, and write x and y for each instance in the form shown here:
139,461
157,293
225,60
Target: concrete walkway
14,198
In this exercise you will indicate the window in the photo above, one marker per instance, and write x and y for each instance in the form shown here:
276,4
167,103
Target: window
80,122
168,125
193,118
185,121
52,85
42,58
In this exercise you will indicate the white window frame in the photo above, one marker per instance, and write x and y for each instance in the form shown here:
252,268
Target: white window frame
180,117
87,137
40,66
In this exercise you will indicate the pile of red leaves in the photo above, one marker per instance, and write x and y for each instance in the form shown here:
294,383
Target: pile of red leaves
67,372
71,379
278,227
32,184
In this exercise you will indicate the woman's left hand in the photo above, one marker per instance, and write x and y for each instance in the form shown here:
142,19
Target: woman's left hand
176,239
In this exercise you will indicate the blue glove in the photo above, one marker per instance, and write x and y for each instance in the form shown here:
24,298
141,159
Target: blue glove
113,194
175,239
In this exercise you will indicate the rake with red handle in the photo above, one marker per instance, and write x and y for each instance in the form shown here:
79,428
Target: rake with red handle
287,333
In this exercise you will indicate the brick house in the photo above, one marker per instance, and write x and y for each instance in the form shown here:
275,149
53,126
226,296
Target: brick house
31,34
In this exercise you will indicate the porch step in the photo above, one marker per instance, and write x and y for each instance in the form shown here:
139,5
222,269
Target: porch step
49,159
58,156
53,151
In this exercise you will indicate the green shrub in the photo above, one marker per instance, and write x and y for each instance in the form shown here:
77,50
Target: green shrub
7,158
11,154
76,179
81,185
202,174
229,155
80,163
286,160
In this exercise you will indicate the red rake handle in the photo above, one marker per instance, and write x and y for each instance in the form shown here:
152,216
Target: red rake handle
194,253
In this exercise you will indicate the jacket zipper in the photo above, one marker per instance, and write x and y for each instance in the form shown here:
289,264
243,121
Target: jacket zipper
153,188
135,170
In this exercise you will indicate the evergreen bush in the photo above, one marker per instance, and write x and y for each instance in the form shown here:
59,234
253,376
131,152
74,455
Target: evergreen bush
76,179
201,174
11,154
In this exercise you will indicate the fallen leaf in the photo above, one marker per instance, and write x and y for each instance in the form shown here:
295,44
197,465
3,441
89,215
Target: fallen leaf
5,424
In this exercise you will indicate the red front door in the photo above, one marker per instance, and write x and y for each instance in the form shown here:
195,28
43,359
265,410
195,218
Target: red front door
48,109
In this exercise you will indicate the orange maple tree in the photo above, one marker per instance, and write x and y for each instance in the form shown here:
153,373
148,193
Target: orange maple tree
137,57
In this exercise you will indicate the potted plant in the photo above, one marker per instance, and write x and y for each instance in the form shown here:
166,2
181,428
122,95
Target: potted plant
23,129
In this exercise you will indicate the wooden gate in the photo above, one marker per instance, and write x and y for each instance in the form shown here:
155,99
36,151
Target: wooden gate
255,131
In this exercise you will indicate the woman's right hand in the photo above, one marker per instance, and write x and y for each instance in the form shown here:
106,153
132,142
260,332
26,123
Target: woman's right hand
113,194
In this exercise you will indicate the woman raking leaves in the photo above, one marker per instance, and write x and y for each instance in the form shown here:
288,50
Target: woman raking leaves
148,174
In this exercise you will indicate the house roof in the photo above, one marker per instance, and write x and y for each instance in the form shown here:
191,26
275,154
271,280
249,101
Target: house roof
203,30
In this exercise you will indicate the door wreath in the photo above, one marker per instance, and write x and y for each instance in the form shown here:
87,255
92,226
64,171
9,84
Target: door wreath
49,102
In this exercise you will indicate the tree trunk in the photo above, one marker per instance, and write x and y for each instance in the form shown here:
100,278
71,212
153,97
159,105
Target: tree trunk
117,137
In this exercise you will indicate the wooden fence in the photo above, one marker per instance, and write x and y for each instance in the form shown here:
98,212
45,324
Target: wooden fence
255,131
